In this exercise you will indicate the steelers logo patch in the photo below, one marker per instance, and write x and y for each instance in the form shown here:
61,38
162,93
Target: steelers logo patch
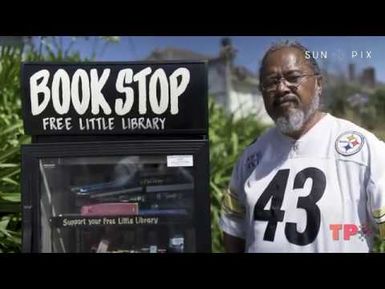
349,143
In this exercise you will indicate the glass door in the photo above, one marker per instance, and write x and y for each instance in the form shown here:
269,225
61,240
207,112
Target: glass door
135,204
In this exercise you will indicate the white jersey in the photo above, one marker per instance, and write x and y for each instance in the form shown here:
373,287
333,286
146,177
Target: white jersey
324,192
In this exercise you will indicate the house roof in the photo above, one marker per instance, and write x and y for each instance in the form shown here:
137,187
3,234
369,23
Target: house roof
172,53
239,74
242,74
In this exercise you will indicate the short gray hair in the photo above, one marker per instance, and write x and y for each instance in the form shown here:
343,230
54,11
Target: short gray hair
288,44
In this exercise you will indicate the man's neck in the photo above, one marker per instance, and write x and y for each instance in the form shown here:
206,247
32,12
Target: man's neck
316,117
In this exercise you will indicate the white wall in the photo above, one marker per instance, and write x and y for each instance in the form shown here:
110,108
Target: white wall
243,104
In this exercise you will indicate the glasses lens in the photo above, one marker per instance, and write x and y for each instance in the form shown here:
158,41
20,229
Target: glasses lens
292,81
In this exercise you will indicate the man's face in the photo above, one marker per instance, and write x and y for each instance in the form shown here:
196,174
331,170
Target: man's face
289,86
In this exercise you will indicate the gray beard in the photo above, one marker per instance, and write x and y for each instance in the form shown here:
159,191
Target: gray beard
296,118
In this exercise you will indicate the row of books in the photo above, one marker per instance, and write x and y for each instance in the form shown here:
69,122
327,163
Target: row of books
123,209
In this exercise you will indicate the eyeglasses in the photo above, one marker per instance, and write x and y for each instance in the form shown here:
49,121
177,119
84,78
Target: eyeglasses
291,81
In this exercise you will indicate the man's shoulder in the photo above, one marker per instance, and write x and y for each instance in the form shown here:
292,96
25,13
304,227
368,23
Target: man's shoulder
264,137
345,126
355,142
261,141
252,154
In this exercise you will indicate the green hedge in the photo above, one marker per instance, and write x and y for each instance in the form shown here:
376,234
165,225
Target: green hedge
12,137
228,137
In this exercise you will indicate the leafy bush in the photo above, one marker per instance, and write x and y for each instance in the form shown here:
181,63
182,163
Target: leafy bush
227,137
11,136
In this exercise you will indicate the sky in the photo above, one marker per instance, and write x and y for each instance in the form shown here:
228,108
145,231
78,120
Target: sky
337,51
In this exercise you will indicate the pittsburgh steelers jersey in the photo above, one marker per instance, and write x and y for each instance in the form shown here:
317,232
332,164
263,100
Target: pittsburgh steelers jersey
324,192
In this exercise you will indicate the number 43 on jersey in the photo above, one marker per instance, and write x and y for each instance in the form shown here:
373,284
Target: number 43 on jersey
276,191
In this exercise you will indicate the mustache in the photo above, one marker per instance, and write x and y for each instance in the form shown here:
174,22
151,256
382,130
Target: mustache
285,98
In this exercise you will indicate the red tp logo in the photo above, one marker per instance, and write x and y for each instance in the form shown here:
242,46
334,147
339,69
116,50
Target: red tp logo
348,229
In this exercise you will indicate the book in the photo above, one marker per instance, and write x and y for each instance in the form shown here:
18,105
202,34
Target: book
107,209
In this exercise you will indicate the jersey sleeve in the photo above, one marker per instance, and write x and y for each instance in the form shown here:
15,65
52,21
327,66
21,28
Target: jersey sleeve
233,211
376,184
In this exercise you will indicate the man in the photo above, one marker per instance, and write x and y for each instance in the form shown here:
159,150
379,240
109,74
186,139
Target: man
313,183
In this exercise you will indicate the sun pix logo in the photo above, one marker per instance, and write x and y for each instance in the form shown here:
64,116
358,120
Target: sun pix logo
349,143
